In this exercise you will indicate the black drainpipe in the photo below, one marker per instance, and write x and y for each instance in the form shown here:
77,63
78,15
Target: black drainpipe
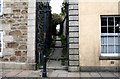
36,38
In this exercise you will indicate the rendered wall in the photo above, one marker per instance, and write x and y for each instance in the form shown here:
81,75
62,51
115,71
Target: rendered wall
90,30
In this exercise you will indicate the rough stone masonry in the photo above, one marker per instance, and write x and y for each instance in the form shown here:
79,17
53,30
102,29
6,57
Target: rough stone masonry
14,25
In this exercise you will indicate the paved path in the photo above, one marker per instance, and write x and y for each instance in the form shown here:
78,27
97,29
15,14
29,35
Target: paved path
57,73
56,55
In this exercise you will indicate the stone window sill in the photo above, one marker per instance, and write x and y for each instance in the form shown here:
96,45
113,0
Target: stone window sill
109,58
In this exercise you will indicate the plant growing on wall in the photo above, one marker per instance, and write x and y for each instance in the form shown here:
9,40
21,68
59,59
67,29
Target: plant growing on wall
56,19
63,9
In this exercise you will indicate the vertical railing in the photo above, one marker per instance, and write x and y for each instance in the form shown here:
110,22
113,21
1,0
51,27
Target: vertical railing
67,29
36,52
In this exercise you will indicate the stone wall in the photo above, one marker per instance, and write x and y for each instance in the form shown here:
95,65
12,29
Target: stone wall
18,26
13,23
73,36
31,31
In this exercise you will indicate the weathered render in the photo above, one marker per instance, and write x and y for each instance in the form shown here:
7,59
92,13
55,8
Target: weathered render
90,34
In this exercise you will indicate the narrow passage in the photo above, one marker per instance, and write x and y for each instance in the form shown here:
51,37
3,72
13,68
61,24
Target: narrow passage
54,59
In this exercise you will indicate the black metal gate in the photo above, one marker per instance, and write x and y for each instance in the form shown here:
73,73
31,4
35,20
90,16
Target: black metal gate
44,32
40,30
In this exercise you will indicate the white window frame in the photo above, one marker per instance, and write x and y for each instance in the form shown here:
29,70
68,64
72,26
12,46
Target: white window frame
110,34
1,43
1,7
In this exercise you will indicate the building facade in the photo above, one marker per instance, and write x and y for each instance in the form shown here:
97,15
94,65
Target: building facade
17,34
93,35
99,30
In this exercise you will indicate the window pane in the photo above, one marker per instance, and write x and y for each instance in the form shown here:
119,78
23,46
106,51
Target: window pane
117,40
103,21
0,42
103,40
103,29
117,49
104,49
111,40
0,37
110,29
117,30
117,21
111,21
110,49
0,49
110,43
0,7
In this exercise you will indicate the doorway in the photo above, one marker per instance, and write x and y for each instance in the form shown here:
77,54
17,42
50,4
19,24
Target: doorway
56,38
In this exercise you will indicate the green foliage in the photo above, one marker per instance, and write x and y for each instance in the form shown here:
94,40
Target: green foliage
53,41
56,19
63,9
63,62
64,52
39,65
63,39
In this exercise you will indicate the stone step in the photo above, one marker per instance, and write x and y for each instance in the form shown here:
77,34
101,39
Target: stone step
61,58
58,40
73,68
59,46
56,68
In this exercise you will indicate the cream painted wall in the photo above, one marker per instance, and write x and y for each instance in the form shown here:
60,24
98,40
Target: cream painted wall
90,29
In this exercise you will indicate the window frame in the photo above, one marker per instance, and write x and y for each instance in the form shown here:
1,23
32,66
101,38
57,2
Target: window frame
1,32
1,7
109,35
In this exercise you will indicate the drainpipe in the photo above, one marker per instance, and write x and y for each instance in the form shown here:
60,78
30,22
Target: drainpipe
36,52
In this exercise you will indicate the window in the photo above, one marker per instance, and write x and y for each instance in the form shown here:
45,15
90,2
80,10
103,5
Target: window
110,35
1,43
0,7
